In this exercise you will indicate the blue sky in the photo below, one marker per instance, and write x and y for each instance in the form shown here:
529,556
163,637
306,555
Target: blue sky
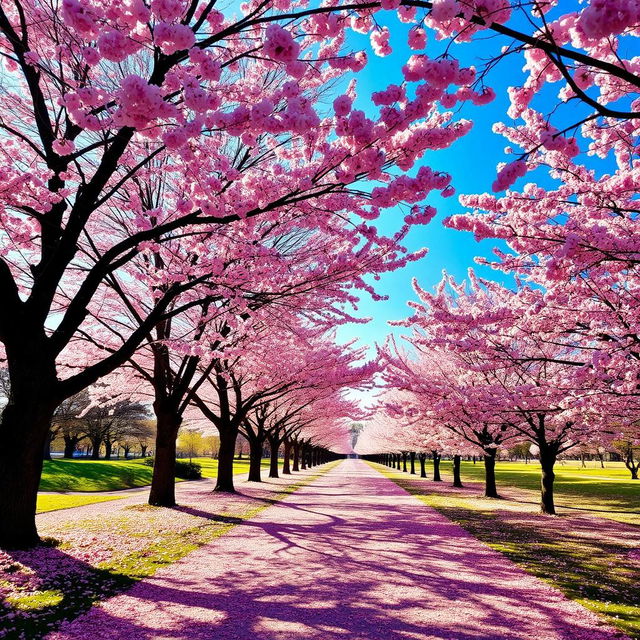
471,161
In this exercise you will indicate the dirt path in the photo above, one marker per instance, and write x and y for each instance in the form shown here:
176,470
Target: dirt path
349,556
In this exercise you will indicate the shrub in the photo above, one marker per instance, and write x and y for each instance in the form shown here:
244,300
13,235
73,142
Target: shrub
184,470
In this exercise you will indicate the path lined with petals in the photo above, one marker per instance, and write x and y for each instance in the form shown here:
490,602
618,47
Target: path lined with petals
349,556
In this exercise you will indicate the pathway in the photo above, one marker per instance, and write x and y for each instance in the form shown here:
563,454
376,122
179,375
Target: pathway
349,556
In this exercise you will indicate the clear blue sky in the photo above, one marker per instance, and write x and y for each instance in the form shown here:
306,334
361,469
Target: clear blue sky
471,161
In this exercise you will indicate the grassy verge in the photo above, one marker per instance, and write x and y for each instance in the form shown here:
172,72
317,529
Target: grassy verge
114,475
72,586
94,475
54,502
588,558
610,491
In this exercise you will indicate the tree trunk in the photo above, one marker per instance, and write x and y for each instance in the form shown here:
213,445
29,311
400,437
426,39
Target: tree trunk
255,460
286,466
457,482
46,452
95,448
70,445
423,468
436,466
490,490
412,457
228,437
404,461
547,462
143,450
631,464
274,446
108,448
303,457
24,427
163,482
296,456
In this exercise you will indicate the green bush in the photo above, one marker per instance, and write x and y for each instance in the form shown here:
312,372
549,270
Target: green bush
184,470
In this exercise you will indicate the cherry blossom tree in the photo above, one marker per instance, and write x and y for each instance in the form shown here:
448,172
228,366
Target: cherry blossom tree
96,92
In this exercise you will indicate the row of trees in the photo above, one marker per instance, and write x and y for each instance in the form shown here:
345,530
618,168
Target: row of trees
550,359
187,205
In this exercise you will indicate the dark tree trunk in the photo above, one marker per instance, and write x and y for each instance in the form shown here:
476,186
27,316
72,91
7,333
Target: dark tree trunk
108,448
303,457
436,466
46,452
490,490
412,457
286,466
274,446
163,482
143,450
404,461
255,460
95,448
631,464
23,431
126,451
423,468
70,446
296,456
457,482
228,437
547,462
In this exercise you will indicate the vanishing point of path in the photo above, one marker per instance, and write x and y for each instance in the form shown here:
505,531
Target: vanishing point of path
349,556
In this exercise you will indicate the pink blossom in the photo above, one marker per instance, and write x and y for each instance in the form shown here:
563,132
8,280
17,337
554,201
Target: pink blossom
167,10
380,42
509,174
91,55
63,147
279,44
417,38
173,37
342,105
602,18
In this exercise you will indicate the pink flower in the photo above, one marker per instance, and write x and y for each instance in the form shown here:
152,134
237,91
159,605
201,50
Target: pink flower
380,42
606,17
91,55
63,147
280,45
509,174
342,105
417,38
173,37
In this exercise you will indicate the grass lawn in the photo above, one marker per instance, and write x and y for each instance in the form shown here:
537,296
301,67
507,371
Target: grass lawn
94,475
105,475
609,491
210,466
47,502
589,555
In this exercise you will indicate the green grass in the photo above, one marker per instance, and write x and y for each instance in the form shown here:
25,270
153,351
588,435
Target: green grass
105,475
210,466
592,569
48,502
113,475
609,491
94,475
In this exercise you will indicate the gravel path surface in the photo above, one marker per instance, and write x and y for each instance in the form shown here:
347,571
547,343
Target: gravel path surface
349,556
